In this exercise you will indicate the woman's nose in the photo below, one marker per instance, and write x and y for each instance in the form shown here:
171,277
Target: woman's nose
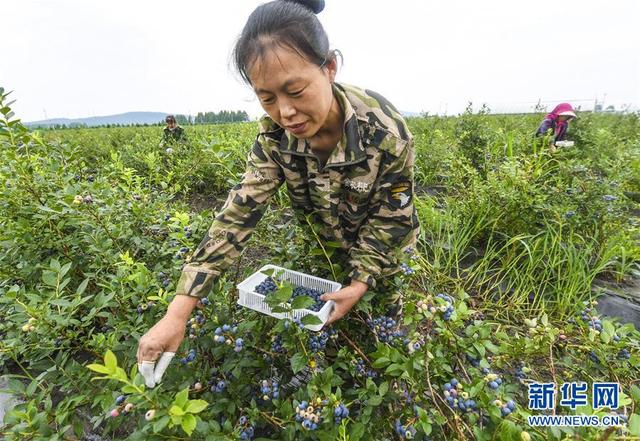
287,110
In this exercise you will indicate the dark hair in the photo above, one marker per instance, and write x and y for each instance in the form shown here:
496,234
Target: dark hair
170,118
285,23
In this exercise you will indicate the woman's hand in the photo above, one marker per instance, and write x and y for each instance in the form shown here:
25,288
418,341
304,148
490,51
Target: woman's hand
163,339
345,299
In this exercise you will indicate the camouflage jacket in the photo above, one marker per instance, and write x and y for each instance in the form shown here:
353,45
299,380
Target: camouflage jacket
362,198
175,135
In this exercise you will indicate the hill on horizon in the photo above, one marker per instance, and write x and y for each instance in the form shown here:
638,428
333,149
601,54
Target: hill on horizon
127,118
121,118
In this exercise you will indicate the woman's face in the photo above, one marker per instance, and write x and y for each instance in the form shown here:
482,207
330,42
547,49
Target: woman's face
564,117
294,92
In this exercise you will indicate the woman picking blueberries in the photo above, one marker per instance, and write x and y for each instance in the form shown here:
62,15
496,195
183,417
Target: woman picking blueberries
556,123
345,154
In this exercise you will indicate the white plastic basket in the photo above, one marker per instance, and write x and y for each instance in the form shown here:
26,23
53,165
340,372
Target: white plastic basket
251,299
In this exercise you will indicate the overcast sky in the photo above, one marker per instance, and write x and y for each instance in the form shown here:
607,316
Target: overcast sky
76,58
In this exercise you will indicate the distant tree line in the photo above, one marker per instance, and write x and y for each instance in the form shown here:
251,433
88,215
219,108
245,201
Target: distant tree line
224,116
85,126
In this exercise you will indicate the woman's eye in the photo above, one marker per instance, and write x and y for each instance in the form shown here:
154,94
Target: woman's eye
266,100
296,93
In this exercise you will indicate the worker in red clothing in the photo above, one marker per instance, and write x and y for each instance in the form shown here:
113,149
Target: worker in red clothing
557,123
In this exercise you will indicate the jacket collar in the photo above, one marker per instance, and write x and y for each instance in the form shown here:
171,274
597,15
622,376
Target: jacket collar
349,149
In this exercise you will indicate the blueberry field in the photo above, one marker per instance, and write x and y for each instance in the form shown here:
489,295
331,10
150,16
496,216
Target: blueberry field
501,296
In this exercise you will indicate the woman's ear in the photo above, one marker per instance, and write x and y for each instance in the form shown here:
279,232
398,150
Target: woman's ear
332,67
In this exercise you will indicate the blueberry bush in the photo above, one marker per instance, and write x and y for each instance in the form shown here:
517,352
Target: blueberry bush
97,223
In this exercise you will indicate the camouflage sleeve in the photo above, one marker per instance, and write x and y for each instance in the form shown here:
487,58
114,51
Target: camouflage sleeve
232,227
182,135
391,224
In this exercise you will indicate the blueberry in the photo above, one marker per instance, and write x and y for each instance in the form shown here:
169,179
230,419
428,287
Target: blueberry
471,404
493,385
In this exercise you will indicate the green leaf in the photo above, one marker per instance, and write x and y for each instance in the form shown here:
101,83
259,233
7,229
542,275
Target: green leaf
490,346
181,398
635,393
54,265
50,278
310,320
82,287
120,374
99,368
381,362
65,269
128,389
110,361
47,209
357,430
480,349
32,387
544,320
160,424
608,327
395,370
281,295
634,425
176,411
302,302
188,424
298,362
196,406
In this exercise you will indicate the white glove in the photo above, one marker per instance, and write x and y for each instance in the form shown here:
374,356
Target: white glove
152,371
